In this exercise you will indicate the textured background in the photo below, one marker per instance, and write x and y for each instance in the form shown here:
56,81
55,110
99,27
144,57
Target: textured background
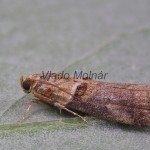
98,35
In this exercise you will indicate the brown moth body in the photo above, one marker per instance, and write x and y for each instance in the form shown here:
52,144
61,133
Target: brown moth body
125,103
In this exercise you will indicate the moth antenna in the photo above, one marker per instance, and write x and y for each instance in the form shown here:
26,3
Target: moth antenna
49,83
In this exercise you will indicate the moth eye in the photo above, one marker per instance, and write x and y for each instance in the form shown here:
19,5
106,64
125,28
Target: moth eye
26,85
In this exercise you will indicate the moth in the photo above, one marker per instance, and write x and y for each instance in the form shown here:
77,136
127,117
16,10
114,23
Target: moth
120,102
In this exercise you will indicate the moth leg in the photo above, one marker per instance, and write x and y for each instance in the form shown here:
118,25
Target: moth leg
63,107
48,100
29,105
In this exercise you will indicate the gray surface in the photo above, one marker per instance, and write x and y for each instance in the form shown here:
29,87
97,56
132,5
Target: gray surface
35,36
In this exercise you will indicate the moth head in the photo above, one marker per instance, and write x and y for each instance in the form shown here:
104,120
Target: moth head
26,84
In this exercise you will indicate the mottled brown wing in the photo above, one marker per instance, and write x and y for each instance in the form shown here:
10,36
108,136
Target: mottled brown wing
123,103
108,111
